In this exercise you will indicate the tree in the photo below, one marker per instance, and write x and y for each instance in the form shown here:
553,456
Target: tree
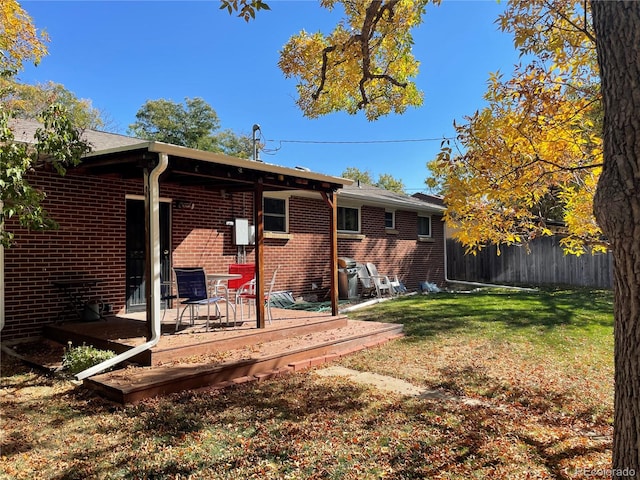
617,203
20,41
357,175
365,64
191,124
247,8
29,101
537,143
385,180
58,142
229,143
617,196
388,182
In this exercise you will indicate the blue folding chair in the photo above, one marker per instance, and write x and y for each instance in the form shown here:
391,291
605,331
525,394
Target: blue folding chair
193,290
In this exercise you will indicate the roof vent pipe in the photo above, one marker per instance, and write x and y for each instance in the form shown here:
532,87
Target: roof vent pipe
255,128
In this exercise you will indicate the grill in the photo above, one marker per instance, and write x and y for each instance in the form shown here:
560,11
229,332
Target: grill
347,278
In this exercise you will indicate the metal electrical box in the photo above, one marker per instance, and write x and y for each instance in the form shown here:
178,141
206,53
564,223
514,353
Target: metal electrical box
243,233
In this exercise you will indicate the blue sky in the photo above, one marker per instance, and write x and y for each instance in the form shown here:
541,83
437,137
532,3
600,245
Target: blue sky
119,54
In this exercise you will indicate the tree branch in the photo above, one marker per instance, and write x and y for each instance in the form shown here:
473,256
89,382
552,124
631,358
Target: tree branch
584,29
374,14
323,71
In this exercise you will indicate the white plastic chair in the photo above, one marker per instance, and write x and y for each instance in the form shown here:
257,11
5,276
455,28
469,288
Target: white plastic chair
248,292
382,282
368,287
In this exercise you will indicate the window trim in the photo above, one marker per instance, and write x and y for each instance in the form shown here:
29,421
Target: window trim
286,213
423,236
393,219
351,207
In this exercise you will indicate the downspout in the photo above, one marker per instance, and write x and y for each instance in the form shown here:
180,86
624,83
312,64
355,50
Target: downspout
475,284
152,189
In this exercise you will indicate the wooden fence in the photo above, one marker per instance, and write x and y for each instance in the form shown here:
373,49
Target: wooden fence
545,264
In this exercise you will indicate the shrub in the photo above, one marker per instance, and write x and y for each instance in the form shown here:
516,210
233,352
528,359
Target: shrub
77,359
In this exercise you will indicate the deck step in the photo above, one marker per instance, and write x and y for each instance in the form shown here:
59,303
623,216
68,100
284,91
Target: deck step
171,347
253,362
168,352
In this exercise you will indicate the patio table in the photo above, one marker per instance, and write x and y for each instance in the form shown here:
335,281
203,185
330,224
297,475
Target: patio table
215,280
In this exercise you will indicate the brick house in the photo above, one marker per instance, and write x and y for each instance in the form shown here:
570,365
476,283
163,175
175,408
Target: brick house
100,210
402,235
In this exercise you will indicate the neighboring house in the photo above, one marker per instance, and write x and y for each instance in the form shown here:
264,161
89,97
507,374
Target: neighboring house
203,197
434,199
402,235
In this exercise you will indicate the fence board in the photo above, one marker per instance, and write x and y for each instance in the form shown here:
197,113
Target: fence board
545,264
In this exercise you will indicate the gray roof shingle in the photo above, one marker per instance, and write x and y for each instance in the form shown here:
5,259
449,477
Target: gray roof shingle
25,130
371,195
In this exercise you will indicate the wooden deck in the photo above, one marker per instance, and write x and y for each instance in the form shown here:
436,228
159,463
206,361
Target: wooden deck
194,358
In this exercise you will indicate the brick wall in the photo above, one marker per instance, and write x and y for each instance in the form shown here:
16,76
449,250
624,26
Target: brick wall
399,253
91,242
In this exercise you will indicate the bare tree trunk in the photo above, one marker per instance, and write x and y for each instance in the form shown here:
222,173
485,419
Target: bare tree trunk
617,208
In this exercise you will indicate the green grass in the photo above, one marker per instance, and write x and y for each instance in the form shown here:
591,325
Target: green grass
508,313
486,342
558,323
528,377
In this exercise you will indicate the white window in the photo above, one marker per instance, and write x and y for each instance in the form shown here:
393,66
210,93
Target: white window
424,226
348,219
275,214
390,219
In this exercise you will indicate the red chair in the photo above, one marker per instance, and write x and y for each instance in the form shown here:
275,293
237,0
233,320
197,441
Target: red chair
235,285
248,272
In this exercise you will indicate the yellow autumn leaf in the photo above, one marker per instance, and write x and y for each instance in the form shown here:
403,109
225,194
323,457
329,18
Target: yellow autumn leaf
530,159
20,41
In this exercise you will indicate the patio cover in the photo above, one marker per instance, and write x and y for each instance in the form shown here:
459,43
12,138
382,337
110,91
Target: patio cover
125,157
190,167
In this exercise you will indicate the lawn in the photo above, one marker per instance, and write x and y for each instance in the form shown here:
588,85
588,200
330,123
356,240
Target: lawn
527,381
